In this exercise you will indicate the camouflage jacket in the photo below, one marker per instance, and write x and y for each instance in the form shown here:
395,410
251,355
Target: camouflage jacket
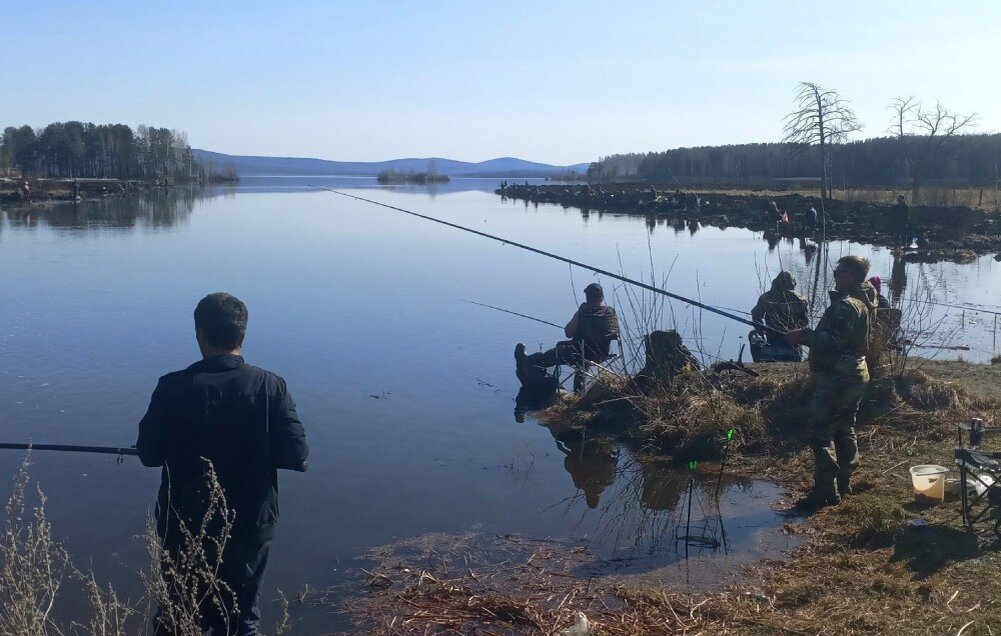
597,327
781,309
839,342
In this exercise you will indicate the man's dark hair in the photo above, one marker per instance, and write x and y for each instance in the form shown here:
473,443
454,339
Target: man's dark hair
594,293
857,266
223,319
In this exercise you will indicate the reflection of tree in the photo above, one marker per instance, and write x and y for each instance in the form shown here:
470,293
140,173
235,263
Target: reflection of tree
159,208
661,489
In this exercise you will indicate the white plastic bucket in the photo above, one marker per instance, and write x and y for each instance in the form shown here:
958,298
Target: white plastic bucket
929,482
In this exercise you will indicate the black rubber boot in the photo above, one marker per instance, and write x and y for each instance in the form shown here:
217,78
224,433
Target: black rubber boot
817,500
521,366
845,487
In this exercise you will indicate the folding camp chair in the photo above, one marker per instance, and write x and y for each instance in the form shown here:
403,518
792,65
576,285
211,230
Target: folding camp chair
981,470
580,371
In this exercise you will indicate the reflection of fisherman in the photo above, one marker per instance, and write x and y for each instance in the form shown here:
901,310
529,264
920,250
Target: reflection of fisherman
592,463
901,216
782,307
886,328
838,361
898,279
591,331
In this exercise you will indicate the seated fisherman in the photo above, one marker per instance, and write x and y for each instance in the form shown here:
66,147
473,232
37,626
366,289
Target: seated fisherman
782,307
591,331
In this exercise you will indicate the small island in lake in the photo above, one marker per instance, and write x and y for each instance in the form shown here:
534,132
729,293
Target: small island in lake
395,176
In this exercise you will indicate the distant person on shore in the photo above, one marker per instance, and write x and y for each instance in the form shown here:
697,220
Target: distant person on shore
242,420
811,219
838,347
590,331
900,214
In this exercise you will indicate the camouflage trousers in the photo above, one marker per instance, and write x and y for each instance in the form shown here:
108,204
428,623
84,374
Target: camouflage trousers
833,408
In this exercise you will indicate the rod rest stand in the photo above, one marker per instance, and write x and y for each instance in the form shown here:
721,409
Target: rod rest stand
976,431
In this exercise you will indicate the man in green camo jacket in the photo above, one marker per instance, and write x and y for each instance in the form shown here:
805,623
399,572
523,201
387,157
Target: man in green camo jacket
837,360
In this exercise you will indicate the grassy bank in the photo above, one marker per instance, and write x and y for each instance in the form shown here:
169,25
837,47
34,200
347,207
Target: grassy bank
863,567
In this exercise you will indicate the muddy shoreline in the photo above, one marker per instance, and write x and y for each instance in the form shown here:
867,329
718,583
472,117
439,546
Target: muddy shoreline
878,563
957,234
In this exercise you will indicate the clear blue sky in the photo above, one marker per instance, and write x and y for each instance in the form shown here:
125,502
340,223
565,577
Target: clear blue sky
559,82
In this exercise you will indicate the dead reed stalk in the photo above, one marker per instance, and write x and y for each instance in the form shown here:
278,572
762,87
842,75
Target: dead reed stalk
33,564
185,582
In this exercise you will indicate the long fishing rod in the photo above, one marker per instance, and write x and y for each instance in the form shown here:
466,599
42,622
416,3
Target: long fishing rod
513,313
597,270
106,450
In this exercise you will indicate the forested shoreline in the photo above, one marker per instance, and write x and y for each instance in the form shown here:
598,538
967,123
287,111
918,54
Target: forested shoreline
972,159
75,149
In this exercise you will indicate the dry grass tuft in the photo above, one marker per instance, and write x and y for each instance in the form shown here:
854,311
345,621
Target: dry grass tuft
109,615
185,583
33,564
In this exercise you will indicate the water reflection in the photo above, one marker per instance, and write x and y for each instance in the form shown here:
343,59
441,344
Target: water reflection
162,208
642,507
808,249
898,280
591,462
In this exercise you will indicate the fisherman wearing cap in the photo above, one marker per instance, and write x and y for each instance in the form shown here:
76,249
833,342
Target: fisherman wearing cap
838,349
590,331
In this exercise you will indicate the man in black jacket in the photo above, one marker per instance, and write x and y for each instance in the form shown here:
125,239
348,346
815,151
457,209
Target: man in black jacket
241,419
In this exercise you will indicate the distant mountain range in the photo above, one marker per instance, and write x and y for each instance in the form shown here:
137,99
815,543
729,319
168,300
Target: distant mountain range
502,167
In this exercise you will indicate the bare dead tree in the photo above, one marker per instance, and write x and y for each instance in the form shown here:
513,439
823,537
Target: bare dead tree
925,136
822,118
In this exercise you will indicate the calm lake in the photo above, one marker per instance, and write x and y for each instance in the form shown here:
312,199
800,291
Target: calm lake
407,392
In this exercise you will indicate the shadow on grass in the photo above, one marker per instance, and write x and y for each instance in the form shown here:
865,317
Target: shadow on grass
926,550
